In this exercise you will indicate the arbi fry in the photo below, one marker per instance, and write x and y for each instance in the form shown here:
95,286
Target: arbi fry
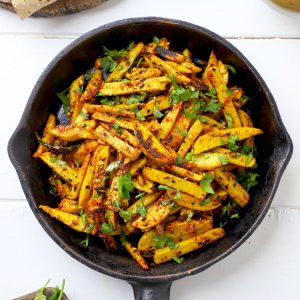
158,156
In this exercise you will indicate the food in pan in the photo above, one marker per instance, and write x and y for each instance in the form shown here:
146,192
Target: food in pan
158,155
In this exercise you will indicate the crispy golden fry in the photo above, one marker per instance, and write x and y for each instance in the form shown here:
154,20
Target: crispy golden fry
150,145
87,183
137,166
246,122
180,78
174,182
125,63
70,206
74,97
155,214
177,231
59,166
180,127
74,221
185,173
219,138
188,201
116,143
122,134
178,67
234,189
146,186
212,62
149,85
191,136
135,253
113,198
144,201
168,121
223,71
47,137
93,108
58,187
92,87
79,179
188,56
169,55
205,120
72,133
142,73
188,245
229,109
160,102
192,67
85,148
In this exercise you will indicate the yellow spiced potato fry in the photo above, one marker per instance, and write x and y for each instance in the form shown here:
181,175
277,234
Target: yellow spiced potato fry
92,87
153,154
174,182
188,245
47,138
222,137
149,85
177,231
125,63
234,189
116,143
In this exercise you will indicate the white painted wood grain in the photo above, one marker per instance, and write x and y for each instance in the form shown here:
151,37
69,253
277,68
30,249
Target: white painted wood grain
264,267
277,60
228,18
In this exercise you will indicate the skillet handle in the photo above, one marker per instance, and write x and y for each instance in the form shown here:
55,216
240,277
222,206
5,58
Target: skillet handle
151,291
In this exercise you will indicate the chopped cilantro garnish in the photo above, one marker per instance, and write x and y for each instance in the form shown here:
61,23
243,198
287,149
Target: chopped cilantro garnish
139,116
63,97
178,259
232,142
205,184
155,39
141,209
189,156
161,240
84,115
126,215
179,160
247,179
125,186
117,128
157,114
107,228
232,69
212,106
183,132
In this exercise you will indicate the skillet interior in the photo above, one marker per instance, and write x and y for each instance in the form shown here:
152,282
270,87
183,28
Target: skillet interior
274,147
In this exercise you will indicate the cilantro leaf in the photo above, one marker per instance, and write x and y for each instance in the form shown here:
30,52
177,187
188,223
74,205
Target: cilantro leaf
125,215
84,115
83,216
178,259
205,184
183,132
138,196
155,39
108,62
125,186
212,106
130,45
141,209
164,187
189,156
223,159
179,93
247,179
63,97
117,128
110,102
232,142
89,74
232,69
161,240
107,228
139,116
179,160
136,99
193,113
157,114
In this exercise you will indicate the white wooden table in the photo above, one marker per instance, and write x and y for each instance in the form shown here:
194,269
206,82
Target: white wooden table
267,266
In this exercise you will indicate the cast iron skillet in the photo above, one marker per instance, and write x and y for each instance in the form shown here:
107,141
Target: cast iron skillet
274,147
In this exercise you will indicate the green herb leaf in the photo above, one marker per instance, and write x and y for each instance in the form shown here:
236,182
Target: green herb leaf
189,156
235,216
155,39
89,74
183,132
136,99
232,142
125,215
164,187
212,106
63,97
205,201
85,242
247,179
109,102
54,294
173,205
125,186
141,209
223,159
140,116
139,61
205,184
113,166
193,113
83,216
84,115
161,240
179,93
232,69
157,114
229,120
202,119
40,294
130,45
178,259
107,228
165,202
117,128
189,217
123,237
179,160
140,195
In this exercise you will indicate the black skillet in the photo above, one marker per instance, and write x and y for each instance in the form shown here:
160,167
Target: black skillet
274,147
